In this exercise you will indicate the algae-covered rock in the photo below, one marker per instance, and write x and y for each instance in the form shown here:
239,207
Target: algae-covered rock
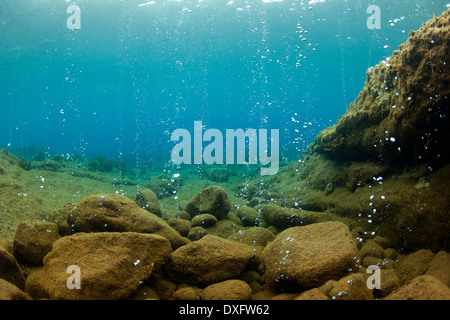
10,270
34,239
249,216
210,259
204,220
112,265
422,288
212,200
309,256
9,291
116,213
352,287
289,217
147,199
181,225
254,237
228,290
414,265
398,116
440,267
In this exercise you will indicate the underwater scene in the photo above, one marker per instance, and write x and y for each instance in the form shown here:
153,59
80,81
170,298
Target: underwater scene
204,150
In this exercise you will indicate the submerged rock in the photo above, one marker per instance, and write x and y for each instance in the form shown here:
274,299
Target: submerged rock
306,257
249,216
290,217
399,113
253,237
34,239
228,290
147,199
422,288
112,265
440,267
8,291
116,213
204,220
10,270
210,259
212,200
352,287
414,264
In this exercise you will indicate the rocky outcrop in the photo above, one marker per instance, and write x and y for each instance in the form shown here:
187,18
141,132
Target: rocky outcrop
386,162
400,115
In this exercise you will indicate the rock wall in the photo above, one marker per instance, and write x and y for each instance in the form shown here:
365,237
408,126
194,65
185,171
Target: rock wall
401,114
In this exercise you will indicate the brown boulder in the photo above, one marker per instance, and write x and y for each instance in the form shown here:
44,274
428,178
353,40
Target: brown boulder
116,213
204,220
440,267
399,113
147,199
10,270
180,225
33,240
228,290
372,249
112,265
210,259
308,256
422,288
414,264
291,217
188,293
253,237
352,287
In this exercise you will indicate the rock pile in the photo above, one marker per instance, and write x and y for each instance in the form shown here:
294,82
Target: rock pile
112,249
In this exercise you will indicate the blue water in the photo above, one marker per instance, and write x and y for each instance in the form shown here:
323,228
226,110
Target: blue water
132,74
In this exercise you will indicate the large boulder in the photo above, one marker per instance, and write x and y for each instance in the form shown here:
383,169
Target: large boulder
210,259
112,265
305,257
33,240
116,213
212,200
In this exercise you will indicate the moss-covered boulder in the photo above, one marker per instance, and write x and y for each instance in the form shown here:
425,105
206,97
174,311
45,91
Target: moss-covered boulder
212,200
